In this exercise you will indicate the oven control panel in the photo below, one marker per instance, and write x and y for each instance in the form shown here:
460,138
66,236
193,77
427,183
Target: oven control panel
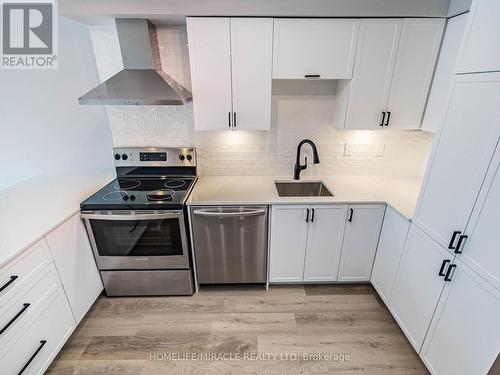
154,156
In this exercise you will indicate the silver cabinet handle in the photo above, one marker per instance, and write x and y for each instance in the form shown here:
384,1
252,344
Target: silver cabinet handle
173,215
229,214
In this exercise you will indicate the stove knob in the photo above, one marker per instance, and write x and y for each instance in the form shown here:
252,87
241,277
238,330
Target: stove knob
182,157
117,156
132,198
125,197
124,156
189,157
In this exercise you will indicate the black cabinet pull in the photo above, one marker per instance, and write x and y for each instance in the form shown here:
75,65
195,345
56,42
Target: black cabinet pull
383,118
234,119
448,273
351,212
42,344
307,215
229,118
312,216
460,243
12,279
443,265
388,117
452,241
312,76
25,306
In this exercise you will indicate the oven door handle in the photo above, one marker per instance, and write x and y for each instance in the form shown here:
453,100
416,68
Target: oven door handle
229,214
172,215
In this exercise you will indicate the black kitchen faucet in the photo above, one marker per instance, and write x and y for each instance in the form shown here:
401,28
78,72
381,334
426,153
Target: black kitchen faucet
298,167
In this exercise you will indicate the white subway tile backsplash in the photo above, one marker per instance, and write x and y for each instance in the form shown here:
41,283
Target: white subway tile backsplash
294,117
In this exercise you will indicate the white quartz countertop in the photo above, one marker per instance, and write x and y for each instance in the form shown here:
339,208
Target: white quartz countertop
32,208
399,192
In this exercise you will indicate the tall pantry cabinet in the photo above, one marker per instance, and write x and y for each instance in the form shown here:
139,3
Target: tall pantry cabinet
450,267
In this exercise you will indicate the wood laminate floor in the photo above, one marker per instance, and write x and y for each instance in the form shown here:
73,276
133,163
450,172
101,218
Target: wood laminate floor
245,331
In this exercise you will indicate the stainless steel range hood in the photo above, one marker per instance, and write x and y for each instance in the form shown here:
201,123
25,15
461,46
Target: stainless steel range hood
141,81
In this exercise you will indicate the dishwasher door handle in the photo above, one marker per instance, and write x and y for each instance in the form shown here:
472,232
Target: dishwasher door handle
229,214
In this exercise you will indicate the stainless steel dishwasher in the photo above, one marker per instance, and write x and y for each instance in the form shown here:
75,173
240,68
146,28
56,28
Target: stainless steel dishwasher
230,243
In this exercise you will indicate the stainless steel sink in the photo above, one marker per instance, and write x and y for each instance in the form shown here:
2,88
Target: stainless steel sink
302,189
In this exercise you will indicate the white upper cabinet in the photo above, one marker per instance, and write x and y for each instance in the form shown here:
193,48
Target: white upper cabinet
70,248
419,283
251,67
439,96
481,248
360,242
416,58
231,60
389,251
210,62
479,51
395,61
371,81
324,242
464,335
288,243
460,157
323,48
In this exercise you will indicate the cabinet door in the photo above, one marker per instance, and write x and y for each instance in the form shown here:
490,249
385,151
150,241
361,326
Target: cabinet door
324,242
389,251
288,243
252,59
375,57
479,51
70,248
360,242
323,47
481,252
461,156
417,52
210,62
464,337
418,285
439,96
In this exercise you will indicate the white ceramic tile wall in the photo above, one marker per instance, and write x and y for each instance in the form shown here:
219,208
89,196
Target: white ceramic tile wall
294,117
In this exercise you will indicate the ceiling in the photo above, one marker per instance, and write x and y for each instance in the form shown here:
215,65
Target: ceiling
174,11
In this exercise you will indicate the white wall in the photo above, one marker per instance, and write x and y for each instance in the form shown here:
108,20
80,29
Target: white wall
294,117
42,126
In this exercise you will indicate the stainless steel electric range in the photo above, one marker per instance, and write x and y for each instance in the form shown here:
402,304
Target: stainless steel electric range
137,223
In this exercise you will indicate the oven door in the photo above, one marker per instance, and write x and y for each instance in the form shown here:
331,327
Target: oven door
149,240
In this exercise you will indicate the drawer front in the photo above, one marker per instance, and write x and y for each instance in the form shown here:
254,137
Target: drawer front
142,283
40,339
17,273
20,308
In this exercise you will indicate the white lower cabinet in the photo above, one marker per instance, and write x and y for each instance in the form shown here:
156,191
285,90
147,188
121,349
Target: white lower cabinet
418,284
39,340
324,242
308,242
72,254
464,337
389,251
288,243
360,242
22,307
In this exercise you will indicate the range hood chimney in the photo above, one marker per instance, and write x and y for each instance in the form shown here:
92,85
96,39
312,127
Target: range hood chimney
142,80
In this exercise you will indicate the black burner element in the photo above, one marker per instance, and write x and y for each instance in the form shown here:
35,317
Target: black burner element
161,195
127,184
115,195
176,183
